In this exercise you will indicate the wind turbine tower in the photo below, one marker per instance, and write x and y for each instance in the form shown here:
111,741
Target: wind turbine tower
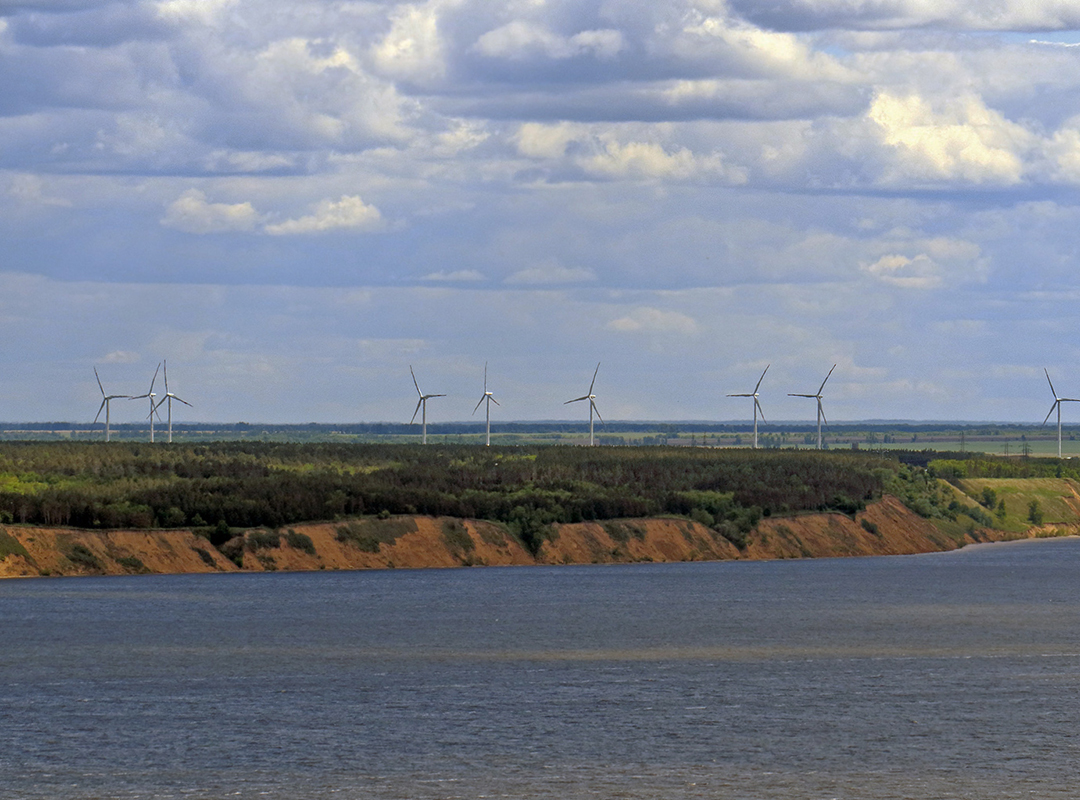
488,398
757,405
592,405
105,400
820,410
1057,405
153,408
421,404
169,397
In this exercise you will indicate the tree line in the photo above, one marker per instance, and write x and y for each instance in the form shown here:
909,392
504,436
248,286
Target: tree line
249,484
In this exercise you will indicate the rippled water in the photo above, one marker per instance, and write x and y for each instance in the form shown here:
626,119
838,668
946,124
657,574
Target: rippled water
946,676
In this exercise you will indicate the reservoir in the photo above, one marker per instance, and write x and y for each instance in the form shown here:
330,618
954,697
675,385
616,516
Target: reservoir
952,675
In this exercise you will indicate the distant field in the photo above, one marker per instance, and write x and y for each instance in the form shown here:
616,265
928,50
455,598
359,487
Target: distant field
1001,439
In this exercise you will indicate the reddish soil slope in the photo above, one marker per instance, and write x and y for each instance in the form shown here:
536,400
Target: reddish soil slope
430,542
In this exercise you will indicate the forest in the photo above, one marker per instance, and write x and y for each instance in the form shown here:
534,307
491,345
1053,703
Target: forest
249,484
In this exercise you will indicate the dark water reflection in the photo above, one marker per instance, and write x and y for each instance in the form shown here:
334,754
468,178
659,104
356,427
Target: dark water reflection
953,675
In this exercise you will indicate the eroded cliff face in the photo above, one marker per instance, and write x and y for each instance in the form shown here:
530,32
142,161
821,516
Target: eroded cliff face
421,542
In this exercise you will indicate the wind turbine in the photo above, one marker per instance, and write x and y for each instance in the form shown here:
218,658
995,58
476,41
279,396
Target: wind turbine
150,394
421,404
592,405
105,400
820,410
489,398
757,405
1057,404
169,396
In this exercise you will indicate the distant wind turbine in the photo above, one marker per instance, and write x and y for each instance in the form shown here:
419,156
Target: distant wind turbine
153,408
169,397
105,400
1057,405
820,410
592,405
488,398
421,404
757,405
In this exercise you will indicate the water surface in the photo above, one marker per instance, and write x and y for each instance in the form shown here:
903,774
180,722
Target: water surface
948,676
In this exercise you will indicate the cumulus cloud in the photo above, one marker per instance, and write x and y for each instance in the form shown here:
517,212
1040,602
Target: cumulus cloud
654,320
934,262
348,213
413,47
191,213
520,40
911,273
537,140
456,276
963,140
603,154
649,160
551,272
30,190
120,357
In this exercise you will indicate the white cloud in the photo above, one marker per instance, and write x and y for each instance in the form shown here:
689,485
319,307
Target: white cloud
120,357
1064,150
962,140
203,11
520,40
551,272
191,213
650,160
910,273
537,140
654,320
601,153
30,190
640,159
348,213
456,276
412,48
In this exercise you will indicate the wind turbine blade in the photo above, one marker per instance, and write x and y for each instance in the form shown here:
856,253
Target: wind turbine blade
801,395
496,402
826,379
154,380
597,410
743,394
436,395
414,383
165,372
757,405
159,402
419,403
485,377
576,399
1050,382
759,380
1069,399
1051,411
100,409
591,385
823,417
482,399
99,382
185,402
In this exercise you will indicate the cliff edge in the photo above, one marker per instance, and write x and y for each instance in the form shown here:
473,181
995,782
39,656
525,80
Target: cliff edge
886,527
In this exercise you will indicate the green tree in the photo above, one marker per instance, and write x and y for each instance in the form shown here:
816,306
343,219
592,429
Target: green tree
1035,514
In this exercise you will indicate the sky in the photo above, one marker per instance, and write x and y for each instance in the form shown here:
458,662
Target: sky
292,202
